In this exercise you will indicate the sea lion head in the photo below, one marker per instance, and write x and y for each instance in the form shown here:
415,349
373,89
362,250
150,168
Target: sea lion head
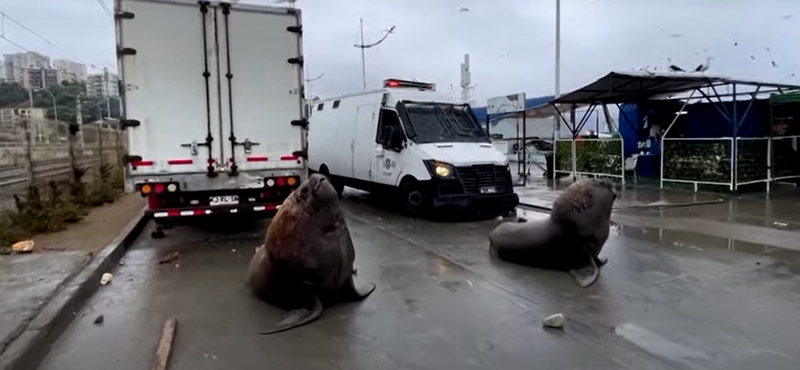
605,185
316,195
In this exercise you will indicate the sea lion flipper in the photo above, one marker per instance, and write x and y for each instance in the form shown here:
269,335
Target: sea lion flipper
350,292
586,275
298,317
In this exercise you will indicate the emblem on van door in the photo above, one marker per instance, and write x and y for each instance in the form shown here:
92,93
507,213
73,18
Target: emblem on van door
387,163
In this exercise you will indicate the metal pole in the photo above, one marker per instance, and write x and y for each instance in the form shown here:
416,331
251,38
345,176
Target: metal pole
363,58
769,160
108,100
518,149
664,137
621,156
555,151
734,151
556,123
55,107
524,149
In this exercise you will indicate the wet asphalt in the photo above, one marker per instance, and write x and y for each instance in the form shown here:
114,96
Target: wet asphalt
443,303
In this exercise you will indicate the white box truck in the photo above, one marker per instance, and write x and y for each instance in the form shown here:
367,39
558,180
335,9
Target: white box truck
213,105
405,140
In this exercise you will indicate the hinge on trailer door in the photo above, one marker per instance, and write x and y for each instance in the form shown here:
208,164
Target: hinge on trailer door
297,60
295,29
124,15
130,123
300,122
126,51
131,158
301,154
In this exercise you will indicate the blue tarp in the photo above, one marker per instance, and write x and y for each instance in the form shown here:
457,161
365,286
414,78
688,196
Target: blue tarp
703,121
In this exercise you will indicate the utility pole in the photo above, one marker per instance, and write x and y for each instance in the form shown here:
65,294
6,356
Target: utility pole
105,92
363,57
556,122
363,46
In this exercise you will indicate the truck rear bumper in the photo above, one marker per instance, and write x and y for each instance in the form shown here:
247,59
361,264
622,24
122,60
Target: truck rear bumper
250,208
485,204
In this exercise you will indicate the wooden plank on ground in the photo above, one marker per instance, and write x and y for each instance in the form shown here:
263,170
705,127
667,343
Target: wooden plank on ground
165,344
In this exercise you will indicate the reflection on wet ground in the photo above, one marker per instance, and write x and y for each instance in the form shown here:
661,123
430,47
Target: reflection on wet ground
698,241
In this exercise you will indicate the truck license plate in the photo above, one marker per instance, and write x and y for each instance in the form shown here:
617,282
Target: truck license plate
488,190
223,200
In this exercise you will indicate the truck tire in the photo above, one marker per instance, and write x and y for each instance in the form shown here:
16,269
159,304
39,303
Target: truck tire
336,185
413,198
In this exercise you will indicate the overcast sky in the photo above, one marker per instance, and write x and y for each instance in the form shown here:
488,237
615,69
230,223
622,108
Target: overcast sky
511,42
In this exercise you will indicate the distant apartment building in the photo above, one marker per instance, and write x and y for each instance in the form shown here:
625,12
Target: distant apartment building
16,64
96,85
41,78
69,70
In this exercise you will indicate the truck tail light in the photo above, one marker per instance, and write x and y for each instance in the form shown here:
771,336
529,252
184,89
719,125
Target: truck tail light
292,181
146,189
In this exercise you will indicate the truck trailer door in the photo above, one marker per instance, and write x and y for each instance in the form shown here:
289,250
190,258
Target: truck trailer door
261,74
168,86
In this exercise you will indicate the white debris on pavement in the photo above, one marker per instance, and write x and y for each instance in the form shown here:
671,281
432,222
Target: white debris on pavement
106,278
554,321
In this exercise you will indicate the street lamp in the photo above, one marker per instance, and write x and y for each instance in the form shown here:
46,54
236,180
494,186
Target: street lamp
55,106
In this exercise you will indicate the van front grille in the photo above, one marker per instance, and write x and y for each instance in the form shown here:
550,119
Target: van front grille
483,179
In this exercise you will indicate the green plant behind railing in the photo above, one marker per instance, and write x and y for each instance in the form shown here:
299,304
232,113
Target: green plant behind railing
785,158
564,155
599,156
698,160
751,160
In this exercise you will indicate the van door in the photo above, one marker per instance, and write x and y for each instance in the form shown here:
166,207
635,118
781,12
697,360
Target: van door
364,143
387,162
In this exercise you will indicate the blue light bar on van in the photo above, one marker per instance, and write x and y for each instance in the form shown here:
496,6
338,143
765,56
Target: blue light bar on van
395,83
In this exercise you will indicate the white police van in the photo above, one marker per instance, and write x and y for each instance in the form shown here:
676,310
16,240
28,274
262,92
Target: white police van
405,141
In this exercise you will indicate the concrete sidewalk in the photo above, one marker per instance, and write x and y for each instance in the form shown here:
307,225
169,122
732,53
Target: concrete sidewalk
539,195
27,283
754,220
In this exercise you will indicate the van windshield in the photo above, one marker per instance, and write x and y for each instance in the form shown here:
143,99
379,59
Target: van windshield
441,123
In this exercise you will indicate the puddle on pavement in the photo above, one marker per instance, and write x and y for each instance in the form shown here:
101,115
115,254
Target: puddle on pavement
698,242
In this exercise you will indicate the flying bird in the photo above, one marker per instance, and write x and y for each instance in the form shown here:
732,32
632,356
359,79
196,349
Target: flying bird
704,67
767,49
675,35
774,64
753,57
463,10
787,16
735,44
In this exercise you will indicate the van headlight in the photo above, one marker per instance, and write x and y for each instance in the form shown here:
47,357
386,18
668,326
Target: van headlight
440,169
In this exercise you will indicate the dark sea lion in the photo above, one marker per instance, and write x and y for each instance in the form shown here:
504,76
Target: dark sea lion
306,262
570,239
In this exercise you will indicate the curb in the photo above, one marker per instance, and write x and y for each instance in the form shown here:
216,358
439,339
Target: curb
28,349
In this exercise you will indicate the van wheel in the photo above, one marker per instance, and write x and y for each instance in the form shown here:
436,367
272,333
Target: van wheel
414,199
336,185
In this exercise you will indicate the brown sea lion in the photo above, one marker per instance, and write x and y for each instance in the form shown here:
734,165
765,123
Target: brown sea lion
570,239
306,262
